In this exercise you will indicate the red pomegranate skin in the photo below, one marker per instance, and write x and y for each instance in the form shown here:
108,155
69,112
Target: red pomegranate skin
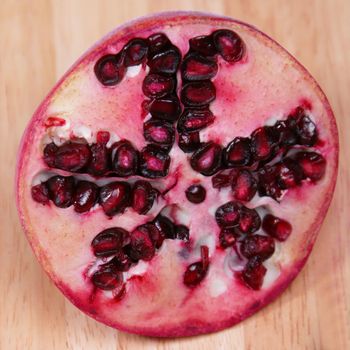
177,311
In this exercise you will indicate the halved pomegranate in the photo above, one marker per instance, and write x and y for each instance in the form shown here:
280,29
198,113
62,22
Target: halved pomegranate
173,182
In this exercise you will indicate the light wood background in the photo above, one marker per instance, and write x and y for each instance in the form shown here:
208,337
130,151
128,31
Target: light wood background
39,41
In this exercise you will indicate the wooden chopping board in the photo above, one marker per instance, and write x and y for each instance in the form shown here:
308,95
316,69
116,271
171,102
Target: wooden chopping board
39,41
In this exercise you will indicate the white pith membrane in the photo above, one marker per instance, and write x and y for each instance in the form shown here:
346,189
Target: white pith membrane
267,84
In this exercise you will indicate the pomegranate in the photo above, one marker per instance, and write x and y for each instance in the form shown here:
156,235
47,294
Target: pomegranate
174,180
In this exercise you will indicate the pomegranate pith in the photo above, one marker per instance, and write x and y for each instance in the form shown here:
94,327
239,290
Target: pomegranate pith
171,111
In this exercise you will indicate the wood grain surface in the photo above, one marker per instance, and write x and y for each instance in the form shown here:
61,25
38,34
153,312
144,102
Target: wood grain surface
39,41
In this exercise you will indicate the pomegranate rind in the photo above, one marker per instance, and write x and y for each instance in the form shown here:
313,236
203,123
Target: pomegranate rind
190,317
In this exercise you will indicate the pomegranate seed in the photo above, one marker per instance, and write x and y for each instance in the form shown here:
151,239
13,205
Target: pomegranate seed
110,241
257,245
103,137
154,162
207,159
238,152
61,190
196,194
227,237
141,246
203,45
110,70
121,261
229,45
99,159
263,143
196,272
306,131
85,196
124,158
267,183
244,186
165,226
135,51
157,42
142,197
156,85
107,278
40,193
289,174
114,197
182,232
159,132
155,234
312,164
195,120
197,94
72,156
253,273
166,108
276,227
227,215
49,154
286,132
249,220
195,67
221,180
189,142
166,62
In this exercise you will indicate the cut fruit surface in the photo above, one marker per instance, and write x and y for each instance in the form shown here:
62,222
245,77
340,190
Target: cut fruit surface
184,166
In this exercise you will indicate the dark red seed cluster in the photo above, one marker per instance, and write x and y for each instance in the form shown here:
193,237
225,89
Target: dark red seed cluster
125,249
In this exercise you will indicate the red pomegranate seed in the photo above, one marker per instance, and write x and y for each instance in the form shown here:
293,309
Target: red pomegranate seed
85,196
61,190
227,237
141,246
238,152
306,130
107,278
156,85
195,67
142,197
103,137
290,174
159,132
135,51
157,42
203,45
166,62
253,273
124,158
182,232
196,272
227,215
249,220
263,143
221,180
72,156
189,142
50,154
165,226
154,162
155,234
166,108
196,194
99,159
276,227
257,245
40,193
312,164
114,197
121,261
207,159
197,94
267,183
110,69
110,241
229,45
244,186
195,120
285,129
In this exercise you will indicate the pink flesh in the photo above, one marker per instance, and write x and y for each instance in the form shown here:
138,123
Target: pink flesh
268,83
